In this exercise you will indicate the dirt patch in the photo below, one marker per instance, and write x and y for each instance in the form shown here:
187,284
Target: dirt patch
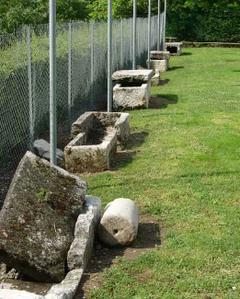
103,258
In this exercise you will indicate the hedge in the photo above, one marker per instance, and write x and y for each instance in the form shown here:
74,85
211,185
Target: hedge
211,25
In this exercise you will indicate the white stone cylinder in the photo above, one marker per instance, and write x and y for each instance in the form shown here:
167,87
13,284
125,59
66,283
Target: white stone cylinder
119,224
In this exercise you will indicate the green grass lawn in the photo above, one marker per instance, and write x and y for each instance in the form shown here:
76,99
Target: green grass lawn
184,172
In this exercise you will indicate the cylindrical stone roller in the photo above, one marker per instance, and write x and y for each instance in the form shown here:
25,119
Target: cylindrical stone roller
119,224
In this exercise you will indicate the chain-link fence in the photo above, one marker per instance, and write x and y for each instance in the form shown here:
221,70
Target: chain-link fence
81,77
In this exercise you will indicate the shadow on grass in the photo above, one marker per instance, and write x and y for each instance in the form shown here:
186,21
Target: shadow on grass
231,60
124,157
103,258
163,82
177,67
208,174
162,101
236,71
186,54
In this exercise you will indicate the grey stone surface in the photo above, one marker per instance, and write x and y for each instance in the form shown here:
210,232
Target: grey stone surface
38,218
17,294
42,149
119,223
81,157
156,79
131,97
159,55
119,120
132,76
68,287
159,66
175,48
85,228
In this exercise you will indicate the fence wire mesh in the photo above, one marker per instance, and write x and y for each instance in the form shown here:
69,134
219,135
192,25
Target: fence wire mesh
81,77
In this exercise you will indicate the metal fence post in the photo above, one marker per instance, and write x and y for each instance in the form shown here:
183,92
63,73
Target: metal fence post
70,72
149,32
159,25
134,33
92,60
109,71
30,89
52,81
121,45
161,31
164,24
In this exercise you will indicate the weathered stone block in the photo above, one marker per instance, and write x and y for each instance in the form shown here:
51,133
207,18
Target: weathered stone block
132,77
18,294
159,66
159,55
89,121
156,79
42,149
85,228
38,218
129,97
67,288
133,88
174,48
84,155
119,224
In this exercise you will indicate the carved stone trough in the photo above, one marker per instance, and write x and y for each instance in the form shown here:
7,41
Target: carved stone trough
95,139
132,89
175,48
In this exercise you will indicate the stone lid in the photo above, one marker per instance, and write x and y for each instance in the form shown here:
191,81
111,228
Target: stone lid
159,52
159,55
174,44
132,76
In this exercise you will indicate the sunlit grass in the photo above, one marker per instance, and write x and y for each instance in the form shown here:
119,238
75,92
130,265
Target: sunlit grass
186,173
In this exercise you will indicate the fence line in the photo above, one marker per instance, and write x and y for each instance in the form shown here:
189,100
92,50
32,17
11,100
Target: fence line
81,76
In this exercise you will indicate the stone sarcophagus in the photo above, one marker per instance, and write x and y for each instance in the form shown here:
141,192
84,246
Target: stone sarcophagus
175,48
132,89
95,139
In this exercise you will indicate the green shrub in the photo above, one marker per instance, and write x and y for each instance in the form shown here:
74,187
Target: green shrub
205,25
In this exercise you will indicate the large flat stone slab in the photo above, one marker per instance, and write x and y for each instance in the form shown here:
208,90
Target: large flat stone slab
38,218
129,77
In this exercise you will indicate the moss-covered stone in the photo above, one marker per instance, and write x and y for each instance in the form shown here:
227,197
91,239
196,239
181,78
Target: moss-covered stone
38,217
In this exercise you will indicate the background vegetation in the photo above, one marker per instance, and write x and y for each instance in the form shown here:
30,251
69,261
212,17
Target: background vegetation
204,20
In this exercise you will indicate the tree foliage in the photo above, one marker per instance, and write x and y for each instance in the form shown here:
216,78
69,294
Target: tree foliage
187,19
14,13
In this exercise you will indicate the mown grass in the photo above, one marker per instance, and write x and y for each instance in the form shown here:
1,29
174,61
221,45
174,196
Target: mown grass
186,173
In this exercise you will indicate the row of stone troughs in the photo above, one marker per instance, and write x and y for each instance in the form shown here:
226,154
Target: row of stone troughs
48,222
132,87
